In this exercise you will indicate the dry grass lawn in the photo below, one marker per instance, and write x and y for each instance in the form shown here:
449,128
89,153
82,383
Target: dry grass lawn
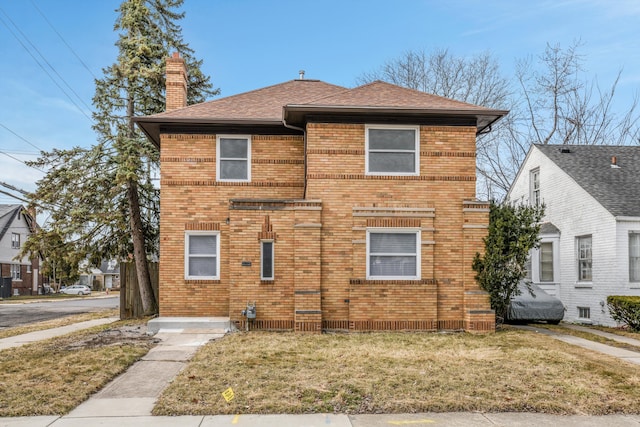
511,370
54,376
56,323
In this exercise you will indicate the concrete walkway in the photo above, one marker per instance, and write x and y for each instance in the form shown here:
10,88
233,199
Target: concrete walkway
129,399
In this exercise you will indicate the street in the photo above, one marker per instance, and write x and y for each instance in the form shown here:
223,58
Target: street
23,314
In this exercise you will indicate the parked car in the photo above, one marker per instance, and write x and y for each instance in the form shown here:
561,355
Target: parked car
76,290
539,307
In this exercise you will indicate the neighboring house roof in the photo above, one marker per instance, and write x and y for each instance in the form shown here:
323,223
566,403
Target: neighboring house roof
7,214
110,267
292,101
616,188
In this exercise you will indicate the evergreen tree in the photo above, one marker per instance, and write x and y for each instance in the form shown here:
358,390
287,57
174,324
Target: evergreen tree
513,232
101,199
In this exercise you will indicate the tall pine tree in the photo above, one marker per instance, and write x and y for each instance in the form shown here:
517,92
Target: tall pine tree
101,199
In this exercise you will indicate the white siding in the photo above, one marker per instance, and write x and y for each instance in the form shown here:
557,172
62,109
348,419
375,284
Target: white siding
7,253
576,213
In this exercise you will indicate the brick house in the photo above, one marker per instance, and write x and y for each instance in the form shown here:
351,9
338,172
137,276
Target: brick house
330,208
16,225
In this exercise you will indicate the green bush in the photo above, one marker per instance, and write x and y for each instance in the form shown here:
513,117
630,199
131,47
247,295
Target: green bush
625,309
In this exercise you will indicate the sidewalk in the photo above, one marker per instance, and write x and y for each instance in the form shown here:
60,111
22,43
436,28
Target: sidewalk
129,399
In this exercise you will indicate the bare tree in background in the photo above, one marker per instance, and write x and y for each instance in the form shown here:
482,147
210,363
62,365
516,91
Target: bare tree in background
550,102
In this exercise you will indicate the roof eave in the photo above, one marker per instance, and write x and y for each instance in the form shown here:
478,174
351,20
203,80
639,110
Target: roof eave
295,113
151,125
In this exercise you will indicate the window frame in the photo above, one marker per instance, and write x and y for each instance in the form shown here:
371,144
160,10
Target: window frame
582,311
416,150
220,159
580,260
534,186
418,256
636,236
187,255
16,272
262,260
15,240
551,261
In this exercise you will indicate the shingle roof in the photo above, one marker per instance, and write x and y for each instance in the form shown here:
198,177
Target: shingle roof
291,101
7,215
617,189
257,105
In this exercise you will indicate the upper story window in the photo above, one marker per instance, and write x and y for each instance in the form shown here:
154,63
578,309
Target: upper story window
15,240
392,150
534,183
584,258
202,260
233,153
634,257
393,254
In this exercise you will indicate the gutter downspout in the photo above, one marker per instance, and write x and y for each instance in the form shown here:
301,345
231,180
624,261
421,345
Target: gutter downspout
304,136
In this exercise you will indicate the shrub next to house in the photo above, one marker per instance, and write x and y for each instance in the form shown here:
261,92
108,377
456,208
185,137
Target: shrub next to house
625,309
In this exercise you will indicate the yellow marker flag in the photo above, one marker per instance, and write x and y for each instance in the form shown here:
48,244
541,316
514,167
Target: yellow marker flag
228,394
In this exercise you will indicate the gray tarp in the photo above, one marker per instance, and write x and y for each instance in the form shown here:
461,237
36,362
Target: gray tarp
542,306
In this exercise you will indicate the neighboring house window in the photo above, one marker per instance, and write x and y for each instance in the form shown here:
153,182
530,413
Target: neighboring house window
15,240
393,254
392,150
535,187
202,259
546,262
29,268
266,260
234,158
584,312
634,257
584,258
15,272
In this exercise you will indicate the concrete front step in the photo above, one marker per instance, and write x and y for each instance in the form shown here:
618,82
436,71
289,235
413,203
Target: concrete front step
184,324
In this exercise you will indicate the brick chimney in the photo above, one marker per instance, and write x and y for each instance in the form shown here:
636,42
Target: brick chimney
176,96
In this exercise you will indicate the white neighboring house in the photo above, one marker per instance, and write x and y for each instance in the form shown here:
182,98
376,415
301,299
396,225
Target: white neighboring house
590,236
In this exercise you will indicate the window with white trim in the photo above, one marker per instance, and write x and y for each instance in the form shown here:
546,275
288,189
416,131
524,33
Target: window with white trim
266,260
534,184
546,261
233,154
15,240
634,256
584,312
584,258
201,257
15,272
392,150
393,254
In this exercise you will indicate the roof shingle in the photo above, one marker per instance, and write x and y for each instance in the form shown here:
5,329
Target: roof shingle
617,189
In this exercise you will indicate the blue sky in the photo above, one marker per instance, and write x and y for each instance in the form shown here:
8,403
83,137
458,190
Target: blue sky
248,44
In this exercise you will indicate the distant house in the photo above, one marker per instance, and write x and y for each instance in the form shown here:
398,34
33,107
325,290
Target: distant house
16,225
107,276
590,239
330,208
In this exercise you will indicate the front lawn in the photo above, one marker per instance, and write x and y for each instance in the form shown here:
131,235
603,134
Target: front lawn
511,370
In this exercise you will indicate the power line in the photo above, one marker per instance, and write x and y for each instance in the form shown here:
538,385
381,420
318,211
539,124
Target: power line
42,67
17,159
63,40
22,138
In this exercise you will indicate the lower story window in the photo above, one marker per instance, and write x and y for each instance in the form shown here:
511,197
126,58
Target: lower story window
202,259
266,258
584,312
15,272
393,254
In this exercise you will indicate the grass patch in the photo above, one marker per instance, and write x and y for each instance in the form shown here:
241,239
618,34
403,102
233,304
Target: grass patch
511,370
55,323
54,376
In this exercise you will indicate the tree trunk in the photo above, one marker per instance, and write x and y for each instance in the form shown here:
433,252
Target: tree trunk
139,252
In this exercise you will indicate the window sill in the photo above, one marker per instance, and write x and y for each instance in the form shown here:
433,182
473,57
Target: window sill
193,281
583,285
